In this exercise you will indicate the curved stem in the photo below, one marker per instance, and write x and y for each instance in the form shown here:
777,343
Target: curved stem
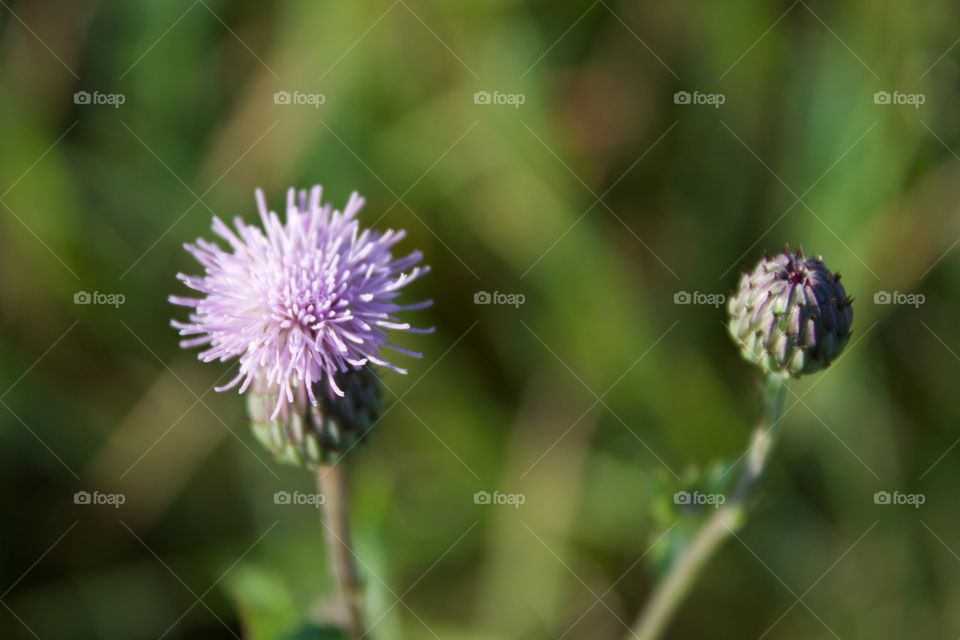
332,483
729,517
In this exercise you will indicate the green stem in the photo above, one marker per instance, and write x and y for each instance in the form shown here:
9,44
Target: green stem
729,517
332,483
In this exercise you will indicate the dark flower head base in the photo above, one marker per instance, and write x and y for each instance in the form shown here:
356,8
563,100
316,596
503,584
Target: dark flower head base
310,436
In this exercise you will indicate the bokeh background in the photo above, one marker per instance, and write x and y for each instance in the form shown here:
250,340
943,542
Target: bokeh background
587,185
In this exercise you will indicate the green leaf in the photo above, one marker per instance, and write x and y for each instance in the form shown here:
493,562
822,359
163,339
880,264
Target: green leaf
265,604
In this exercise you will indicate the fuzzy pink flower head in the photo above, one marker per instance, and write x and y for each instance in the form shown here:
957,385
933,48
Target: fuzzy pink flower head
298,301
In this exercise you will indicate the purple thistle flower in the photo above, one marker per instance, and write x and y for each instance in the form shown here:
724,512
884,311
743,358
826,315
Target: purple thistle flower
300,301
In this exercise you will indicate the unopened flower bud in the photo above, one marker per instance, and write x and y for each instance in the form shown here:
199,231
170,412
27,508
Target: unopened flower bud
790,314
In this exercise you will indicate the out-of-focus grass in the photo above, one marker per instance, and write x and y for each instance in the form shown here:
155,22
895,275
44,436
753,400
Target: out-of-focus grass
597,199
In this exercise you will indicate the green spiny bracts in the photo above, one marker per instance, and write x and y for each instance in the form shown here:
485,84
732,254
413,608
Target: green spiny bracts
790,314
308,436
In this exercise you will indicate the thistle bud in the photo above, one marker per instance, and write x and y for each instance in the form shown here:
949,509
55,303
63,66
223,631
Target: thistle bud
790,314
309,435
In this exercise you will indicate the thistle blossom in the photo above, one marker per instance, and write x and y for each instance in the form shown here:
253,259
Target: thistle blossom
301,301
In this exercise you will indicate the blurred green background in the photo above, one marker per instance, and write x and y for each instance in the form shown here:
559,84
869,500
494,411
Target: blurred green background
587,184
